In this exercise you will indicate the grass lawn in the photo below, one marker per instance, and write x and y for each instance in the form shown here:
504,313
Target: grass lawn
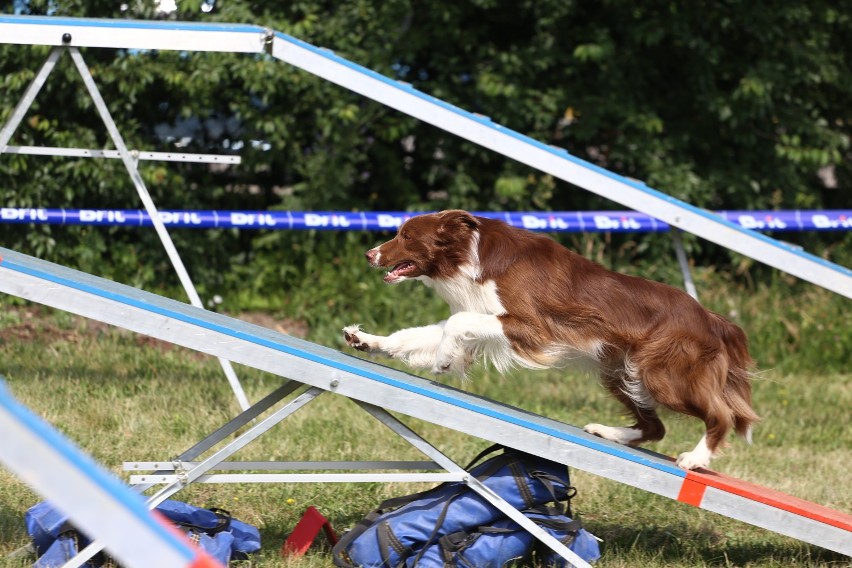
123,397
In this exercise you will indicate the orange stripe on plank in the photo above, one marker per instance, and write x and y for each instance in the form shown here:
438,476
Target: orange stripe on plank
691,492
769,497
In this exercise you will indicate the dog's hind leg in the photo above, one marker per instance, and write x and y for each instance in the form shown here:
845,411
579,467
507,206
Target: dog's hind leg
648,426
416,346
688,376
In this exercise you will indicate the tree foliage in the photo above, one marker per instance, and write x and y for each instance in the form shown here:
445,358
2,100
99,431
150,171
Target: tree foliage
727,105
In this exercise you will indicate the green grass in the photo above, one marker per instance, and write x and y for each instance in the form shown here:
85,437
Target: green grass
122,397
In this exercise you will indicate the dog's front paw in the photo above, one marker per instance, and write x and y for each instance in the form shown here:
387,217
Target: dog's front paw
448,363
351,334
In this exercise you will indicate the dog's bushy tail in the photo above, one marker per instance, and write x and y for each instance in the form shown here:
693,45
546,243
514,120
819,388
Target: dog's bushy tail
737,391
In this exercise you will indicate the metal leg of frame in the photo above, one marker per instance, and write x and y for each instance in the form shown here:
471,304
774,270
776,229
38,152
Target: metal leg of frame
228,428
235,445
239,421
680,252
29,96
411,437
142,190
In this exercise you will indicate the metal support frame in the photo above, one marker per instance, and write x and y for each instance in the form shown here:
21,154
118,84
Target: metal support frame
185,473
130,160
114,154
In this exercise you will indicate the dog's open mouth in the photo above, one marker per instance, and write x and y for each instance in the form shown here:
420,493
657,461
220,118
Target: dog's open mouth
400,271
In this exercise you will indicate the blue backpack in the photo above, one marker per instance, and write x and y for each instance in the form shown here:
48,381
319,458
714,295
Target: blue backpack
56,541
451,525
505,542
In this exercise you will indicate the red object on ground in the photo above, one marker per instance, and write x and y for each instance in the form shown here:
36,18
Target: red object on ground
306,532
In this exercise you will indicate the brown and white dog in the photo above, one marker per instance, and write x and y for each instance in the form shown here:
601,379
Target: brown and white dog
521,299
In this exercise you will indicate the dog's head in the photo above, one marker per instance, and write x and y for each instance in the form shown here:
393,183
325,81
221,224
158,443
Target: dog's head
432,245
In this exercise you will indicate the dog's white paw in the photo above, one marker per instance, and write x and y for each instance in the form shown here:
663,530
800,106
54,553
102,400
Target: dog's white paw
619,435
352,336
449,359
697,458
693,460
442,365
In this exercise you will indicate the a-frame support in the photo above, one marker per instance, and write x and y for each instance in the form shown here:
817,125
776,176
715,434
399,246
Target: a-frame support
130,163
179,472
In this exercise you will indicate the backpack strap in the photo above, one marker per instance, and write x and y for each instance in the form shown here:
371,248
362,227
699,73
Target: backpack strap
452,546
388,540
550,481
223,523
338,551
438,524
489,450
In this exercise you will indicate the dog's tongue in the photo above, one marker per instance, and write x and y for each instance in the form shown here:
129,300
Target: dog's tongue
395,273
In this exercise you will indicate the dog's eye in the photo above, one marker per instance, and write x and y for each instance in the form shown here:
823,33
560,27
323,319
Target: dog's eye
405,236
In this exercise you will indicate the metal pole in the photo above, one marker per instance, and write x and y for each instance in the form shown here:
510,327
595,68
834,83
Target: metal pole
28,98
680,252
238,443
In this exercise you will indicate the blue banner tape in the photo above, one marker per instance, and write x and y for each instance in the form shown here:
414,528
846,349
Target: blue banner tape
555,221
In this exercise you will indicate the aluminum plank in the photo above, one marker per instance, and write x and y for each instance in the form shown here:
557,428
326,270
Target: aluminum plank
132,34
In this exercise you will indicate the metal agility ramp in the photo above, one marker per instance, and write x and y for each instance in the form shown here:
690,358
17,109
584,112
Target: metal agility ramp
313,370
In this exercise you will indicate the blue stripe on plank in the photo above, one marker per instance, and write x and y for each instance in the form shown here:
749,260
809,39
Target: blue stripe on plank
129,24
319,354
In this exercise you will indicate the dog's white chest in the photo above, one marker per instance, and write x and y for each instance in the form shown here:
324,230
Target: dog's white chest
466,295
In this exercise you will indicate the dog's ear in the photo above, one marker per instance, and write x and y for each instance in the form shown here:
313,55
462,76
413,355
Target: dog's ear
459,218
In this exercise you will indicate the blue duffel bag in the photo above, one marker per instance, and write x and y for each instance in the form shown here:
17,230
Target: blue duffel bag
400,532
56,541
242,538
506,542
